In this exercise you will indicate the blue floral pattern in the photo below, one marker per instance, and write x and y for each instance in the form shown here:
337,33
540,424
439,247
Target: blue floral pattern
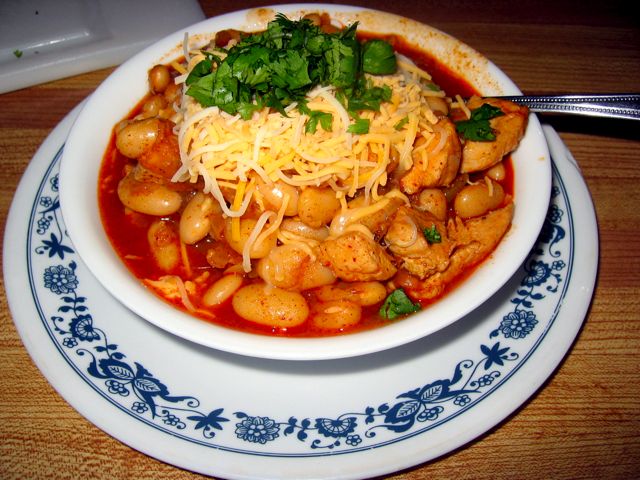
540,275
49,221
413,411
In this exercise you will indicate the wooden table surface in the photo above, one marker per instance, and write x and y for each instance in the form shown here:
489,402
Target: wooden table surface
583,423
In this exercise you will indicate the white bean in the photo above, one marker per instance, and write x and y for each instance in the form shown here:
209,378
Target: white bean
246,227
148,197
282,266
498,172
164,245
274,194
478,199
290,267
336,315
317,206
270,306
159,78
362,293
221,290
434,201
136,137
195,220
316,275
153,106
302,229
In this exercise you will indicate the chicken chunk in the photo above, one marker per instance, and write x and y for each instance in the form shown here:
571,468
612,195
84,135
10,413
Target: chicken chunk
221,255
163,157
354,257
292,268
152,142
436,164
509,130
478,237
378,221
406,240
475,239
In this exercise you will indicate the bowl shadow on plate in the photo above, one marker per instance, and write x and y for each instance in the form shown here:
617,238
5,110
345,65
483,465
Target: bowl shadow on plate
494,308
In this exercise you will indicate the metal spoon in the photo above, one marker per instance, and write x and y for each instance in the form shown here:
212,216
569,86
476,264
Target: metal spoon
615,105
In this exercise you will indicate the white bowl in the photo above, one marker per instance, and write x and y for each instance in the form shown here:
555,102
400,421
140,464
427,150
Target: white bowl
126,85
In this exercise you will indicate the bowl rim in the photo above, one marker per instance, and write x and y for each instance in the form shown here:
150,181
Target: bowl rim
87,234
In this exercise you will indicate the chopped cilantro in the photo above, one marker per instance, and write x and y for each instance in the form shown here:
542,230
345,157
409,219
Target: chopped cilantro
280,65
378,57
401,123
477,128
367,97
342,59
325,119
432,234
17,53
360,126
396,304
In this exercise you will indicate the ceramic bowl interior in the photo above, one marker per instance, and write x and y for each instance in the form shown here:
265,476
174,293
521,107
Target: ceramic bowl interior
112,101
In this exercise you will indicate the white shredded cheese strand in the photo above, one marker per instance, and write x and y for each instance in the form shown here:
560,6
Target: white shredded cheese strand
412,238
246,251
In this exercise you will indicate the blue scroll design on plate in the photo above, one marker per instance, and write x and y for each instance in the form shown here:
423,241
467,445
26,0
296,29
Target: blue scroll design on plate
49,224
146,396
541,275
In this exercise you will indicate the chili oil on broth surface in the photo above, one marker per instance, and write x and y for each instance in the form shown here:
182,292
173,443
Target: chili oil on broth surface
186,278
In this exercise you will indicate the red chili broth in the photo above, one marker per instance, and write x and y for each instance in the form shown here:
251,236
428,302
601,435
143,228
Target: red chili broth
127,230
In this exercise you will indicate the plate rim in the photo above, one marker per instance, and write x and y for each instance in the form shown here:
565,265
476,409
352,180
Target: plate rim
78,399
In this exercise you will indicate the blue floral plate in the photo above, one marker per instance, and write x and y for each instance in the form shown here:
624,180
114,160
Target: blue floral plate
238,417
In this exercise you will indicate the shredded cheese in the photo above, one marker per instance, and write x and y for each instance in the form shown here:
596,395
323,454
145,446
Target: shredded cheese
223,148
233,156
173,287
251,240
463,106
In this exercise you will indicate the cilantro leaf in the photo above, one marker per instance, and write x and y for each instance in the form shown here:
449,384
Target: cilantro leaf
203,69
396,304
401,123
201,89
324,118
368,98
289,70
378,57
343,60
432,235
477,128
17,53
359,127
278,66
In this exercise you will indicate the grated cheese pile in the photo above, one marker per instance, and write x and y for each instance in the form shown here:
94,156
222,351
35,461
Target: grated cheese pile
227,151
234,156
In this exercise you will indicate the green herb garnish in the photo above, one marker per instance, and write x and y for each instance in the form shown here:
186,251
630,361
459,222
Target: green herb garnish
378,57
432,235
477,128
367,97
324,118
17,53
360,126
396,304
279,66
401,123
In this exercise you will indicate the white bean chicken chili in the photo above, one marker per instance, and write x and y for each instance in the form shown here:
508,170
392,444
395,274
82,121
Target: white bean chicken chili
308,189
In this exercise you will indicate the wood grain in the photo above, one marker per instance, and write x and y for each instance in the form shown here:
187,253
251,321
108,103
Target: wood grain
583,423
